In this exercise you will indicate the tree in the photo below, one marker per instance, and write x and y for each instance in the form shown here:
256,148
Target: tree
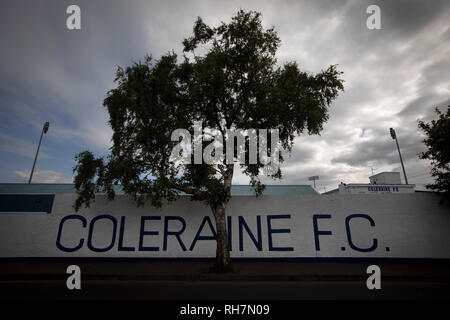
438,142
235,83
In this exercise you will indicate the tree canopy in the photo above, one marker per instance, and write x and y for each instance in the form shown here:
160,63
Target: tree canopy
438,142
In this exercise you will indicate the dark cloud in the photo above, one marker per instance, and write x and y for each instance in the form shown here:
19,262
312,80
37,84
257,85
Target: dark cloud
393,76
406,18
381,151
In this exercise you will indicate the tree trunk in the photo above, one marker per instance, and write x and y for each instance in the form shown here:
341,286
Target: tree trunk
223,262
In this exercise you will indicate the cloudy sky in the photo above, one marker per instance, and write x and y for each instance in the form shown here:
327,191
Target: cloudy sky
393,77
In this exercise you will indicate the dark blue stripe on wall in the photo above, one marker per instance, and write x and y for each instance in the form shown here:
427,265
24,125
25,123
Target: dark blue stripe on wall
204,259
26,202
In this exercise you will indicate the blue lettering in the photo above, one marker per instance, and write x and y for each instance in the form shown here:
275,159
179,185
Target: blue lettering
242,225
58,238
270,231
173,233
91,231
230,244
147,233
349,236
197,237
121,231
318,232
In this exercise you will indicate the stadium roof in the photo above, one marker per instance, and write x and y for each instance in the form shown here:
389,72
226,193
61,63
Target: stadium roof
236,190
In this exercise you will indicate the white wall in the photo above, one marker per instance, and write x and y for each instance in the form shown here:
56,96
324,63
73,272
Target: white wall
409,225
376,188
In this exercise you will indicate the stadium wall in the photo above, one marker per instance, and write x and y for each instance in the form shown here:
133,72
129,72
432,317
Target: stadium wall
387,226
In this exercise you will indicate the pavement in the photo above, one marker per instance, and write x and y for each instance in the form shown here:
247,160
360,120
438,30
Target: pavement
190,280
221,290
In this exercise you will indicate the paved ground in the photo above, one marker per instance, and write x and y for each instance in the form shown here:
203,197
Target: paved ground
224,290
184,269
253,280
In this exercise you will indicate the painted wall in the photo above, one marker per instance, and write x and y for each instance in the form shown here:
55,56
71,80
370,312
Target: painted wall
306,226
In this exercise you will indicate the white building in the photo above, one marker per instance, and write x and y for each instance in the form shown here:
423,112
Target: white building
386,178
384,182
